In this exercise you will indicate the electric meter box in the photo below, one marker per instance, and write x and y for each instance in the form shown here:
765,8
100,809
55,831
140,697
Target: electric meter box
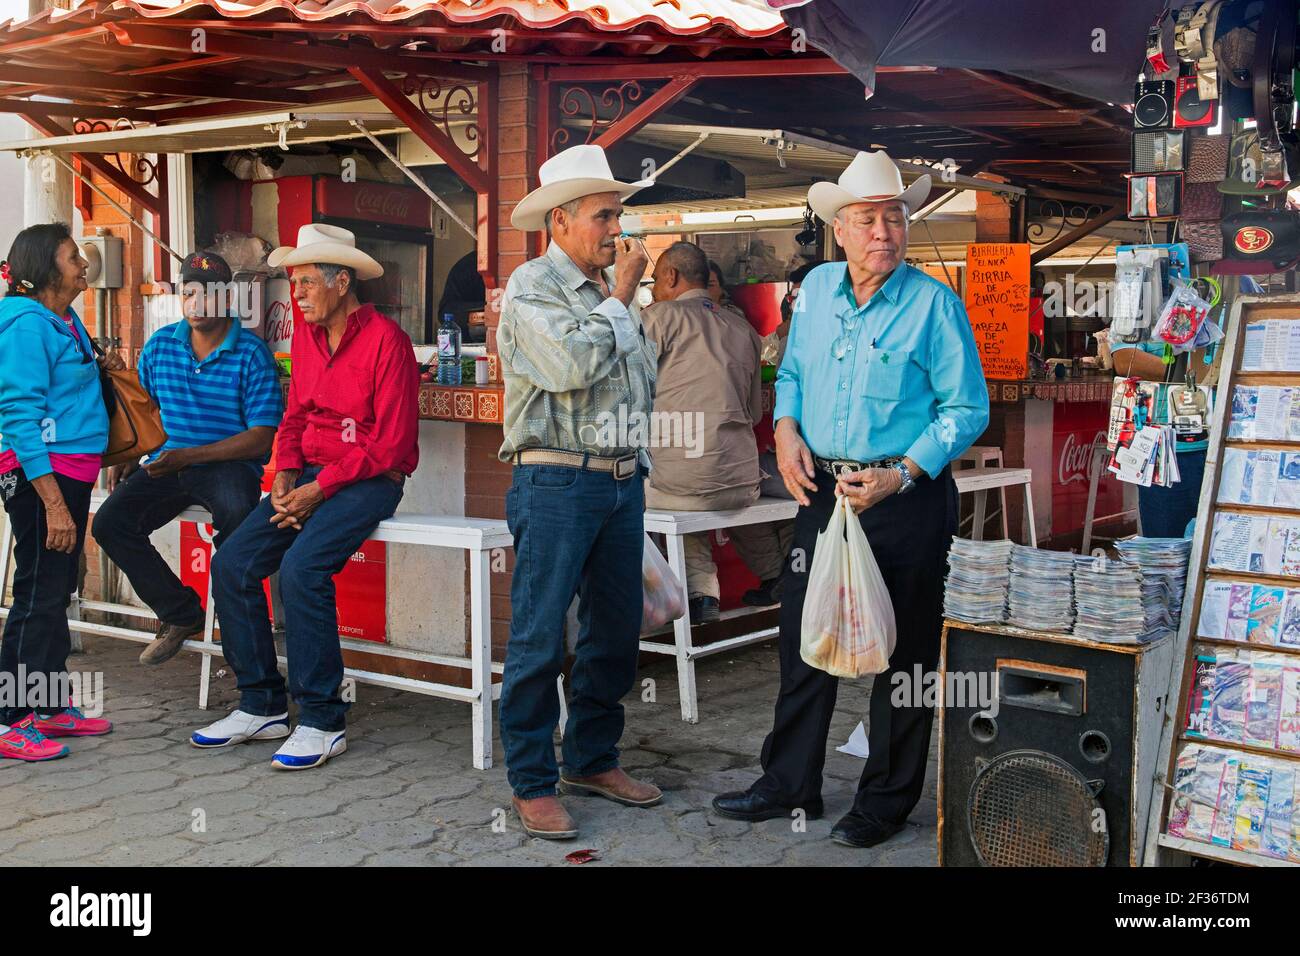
104,253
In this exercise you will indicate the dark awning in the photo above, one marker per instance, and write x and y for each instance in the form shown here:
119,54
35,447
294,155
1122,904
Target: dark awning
1048,41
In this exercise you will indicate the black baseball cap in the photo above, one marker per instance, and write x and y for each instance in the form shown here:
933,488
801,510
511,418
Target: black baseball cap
204,267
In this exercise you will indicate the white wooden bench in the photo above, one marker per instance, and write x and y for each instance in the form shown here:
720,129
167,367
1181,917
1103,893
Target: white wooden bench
476,536
675,525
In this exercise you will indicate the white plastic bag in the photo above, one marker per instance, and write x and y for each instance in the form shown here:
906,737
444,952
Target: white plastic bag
662,599
848,625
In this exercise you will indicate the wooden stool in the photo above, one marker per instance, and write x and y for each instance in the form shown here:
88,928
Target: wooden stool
980,480
983,456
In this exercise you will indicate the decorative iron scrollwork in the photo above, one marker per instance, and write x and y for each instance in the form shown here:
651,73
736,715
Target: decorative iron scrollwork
440,103
1072,215
142,170
578,101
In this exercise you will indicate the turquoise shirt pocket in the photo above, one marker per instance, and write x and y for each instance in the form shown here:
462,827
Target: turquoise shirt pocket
887,377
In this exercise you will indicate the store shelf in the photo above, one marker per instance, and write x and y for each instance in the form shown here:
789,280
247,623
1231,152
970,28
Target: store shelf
1224,854
1261,648
1244,748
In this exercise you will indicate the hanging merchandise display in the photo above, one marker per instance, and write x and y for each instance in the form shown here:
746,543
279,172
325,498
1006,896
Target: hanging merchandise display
1207,69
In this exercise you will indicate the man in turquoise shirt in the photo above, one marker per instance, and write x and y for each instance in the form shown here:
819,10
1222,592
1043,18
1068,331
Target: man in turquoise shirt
880,388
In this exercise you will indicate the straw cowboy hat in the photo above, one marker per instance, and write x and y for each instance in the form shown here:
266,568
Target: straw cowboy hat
576,172
871,177
320,243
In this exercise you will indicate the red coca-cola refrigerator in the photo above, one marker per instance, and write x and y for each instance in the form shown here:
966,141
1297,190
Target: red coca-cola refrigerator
391,222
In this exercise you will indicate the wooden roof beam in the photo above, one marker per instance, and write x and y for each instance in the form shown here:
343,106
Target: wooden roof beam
113,82
324,55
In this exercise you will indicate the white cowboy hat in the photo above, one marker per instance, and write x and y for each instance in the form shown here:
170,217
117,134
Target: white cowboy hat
320,243
871,177
576,172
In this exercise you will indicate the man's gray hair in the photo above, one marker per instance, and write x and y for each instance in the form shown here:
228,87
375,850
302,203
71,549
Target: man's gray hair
570,209
329,271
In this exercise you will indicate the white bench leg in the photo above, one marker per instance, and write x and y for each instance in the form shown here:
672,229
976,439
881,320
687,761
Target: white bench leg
480,610
682,634
209,621
977,527
1029,517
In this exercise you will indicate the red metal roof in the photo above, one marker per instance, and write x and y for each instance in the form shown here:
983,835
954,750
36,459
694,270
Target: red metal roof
742,18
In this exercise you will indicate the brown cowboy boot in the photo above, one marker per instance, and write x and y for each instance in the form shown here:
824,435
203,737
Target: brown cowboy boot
545,818
615,785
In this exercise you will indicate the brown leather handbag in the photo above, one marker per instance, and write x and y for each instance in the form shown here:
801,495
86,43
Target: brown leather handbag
134,421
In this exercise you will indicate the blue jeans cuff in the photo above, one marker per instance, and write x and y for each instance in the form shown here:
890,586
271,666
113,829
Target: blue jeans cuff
537,792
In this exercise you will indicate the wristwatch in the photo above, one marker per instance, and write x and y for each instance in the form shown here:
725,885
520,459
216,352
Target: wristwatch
908,481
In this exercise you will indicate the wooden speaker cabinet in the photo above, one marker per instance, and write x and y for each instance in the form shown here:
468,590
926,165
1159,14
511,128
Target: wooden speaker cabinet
1061,774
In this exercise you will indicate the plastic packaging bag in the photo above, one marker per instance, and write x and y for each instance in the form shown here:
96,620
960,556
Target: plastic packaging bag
662,599
848,619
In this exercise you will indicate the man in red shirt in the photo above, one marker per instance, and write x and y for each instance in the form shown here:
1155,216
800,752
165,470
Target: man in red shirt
348,441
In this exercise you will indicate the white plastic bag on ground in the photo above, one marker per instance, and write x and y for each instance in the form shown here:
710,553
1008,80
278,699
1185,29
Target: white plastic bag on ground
848,625
662,599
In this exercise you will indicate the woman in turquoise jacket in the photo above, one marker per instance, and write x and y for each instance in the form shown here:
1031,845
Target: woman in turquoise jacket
53,430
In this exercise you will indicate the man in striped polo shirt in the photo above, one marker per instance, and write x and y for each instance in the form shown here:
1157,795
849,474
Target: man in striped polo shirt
219,393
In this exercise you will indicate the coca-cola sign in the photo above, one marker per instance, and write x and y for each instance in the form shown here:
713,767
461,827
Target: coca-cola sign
1075,426
278,331
372,202
1075,458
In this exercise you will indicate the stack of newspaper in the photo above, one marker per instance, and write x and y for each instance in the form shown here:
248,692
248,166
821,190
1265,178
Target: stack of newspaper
1117,604
1163,563
978,575
1041,593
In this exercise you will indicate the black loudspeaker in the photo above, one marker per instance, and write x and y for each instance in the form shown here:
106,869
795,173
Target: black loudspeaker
1061,774
1153,104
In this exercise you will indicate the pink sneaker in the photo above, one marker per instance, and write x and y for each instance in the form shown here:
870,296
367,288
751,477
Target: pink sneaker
23,741
71,722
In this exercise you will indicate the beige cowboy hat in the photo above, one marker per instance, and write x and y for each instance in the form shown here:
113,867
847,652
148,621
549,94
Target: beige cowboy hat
576,172
871,177
320,243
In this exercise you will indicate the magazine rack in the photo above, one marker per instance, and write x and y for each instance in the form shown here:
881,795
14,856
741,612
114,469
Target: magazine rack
1229,761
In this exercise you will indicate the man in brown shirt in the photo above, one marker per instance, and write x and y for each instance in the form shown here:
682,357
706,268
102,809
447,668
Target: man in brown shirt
707,400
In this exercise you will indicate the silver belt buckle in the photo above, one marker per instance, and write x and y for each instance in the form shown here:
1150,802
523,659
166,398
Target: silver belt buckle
625,468
840,465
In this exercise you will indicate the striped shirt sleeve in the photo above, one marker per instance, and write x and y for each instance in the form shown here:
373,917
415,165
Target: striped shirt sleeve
262,402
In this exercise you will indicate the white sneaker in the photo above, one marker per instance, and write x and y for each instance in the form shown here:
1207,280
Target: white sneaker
238,727
309,747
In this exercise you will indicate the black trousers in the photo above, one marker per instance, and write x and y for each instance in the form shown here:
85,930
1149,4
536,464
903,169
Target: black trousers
910,535
36,635
229,490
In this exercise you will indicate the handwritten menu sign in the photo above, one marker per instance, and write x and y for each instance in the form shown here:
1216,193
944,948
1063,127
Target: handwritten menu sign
997,302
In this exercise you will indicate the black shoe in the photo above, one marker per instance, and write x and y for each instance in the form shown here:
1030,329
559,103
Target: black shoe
765,595
862,831
703,609
743,805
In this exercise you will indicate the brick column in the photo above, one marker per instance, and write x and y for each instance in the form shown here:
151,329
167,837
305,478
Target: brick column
486,478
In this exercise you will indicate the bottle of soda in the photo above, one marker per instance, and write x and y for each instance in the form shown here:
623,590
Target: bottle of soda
448,351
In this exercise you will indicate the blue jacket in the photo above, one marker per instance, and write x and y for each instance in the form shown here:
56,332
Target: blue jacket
50,397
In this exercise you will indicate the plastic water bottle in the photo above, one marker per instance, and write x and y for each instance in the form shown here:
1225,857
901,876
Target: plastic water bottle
448,351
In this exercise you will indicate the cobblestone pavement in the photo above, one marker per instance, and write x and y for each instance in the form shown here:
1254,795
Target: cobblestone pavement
406,793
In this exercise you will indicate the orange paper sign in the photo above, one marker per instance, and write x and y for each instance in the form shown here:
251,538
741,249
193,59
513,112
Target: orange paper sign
997,301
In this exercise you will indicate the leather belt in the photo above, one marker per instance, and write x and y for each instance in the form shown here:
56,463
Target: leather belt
621,468
833,466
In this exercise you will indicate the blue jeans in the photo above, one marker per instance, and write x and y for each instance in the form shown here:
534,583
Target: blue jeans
307,561
576,532
1166,511
141,505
